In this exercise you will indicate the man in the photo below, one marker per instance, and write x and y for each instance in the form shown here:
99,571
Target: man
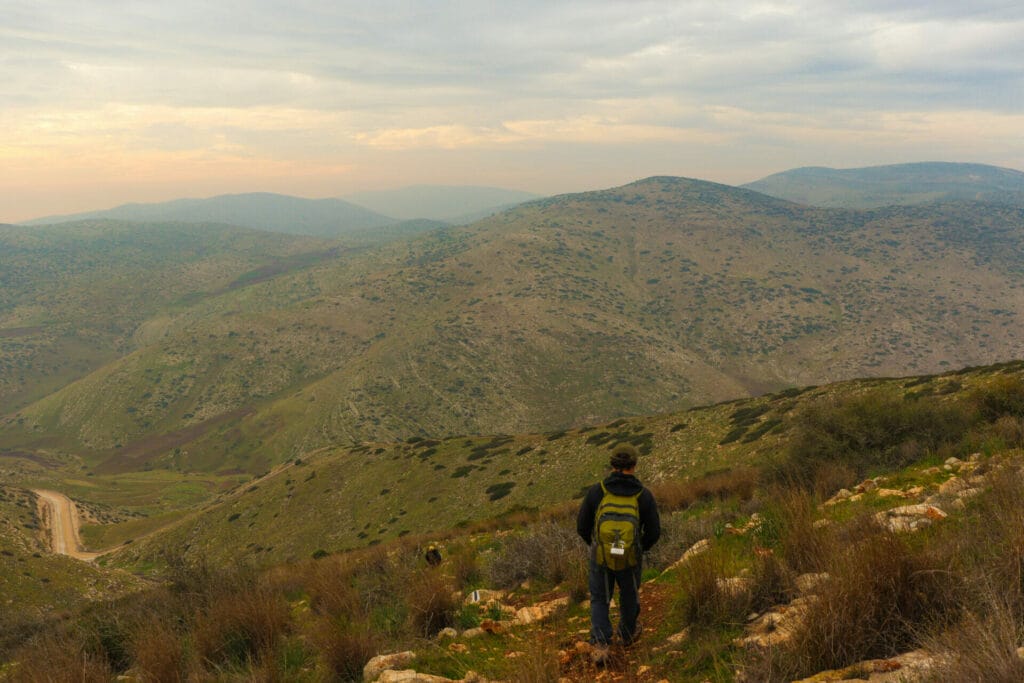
613,564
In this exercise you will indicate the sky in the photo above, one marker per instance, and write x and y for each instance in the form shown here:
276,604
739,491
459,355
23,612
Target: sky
115,101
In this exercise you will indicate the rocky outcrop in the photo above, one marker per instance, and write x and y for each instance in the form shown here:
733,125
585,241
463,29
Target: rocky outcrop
909,517
381,663
905,668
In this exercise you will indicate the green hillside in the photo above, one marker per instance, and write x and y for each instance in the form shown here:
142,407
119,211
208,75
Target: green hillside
792,508
899,184
74,297
569,311
348,497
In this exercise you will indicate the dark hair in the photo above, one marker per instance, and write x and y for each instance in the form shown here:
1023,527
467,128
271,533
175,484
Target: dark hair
624,457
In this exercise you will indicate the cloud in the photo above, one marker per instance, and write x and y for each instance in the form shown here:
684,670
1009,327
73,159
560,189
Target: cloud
330,84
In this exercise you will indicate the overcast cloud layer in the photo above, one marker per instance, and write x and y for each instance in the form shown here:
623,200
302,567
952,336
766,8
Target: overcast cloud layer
108,102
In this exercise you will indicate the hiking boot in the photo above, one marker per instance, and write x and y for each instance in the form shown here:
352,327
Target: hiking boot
629,642
599,654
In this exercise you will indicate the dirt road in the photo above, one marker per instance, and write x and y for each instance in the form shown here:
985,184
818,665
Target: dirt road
60,515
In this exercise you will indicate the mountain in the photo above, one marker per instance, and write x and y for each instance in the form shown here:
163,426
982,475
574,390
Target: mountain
835,532
75,296
453,204
655,296
349,497
260,211
903,184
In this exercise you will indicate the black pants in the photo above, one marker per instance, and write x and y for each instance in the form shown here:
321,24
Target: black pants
602,582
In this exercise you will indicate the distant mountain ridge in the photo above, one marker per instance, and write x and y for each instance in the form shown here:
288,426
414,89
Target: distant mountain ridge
257,210
654,296
898,184
450,203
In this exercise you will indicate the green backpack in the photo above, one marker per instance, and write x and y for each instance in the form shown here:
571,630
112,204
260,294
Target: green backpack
617,531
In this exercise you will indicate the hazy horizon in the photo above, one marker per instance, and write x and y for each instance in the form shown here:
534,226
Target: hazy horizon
149,102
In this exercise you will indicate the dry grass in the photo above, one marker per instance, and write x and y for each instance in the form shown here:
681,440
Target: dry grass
538,662
982,647
55,658
237,629
431,601
548,551
740,483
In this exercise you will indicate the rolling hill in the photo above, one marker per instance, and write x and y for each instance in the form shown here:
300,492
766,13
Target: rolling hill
73,296
900,184
259,211
567,311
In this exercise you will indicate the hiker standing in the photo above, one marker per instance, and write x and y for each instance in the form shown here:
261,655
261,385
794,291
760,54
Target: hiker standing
619,520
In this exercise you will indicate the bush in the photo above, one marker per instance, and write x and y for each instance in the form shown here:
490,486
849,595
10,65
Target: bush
346,645
707,600
432,603
875,431
1004,396
549,552
241,627
880,596
983,647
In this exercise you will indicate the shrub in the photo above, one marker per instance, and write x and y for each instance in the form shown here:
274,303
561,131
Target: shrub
880,596
707,600
871,432
158,653
240,627
1003,396
346,645
432,603
982,647
59,658
549,552
677,495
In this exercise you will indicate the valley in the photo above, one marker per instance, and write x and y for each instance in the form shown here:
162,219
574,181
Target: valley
227,411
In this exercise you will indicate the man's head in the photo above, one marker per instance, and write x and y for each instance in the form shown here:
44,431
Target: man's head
624,457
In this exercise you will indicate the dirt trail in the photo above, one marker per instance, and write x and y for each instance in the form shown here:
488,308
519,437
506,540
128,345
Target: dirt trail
60,515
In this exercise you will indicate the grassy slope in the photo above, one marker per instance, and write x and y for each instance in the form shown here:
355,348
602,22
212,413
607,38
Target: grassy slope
35,582
72,296
344,498
568,311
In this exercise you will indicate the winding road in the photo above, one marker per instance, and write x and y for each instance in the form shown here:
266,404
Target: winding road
59,514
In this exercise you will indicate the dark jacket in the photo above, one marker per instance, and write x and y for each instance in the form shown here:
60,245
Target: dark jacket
622,485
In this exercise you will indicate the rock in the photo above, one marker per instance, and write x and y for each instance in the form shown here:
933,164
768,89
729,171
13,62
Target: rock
777,626
675,640
867,485
840,496
458,648
734,586
821,523
910,666
471,633
494,627
953,463
809,583
909,517
703,545
890,493
953,486
539,612
409,676
381,663
967,494
447,633
484,596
